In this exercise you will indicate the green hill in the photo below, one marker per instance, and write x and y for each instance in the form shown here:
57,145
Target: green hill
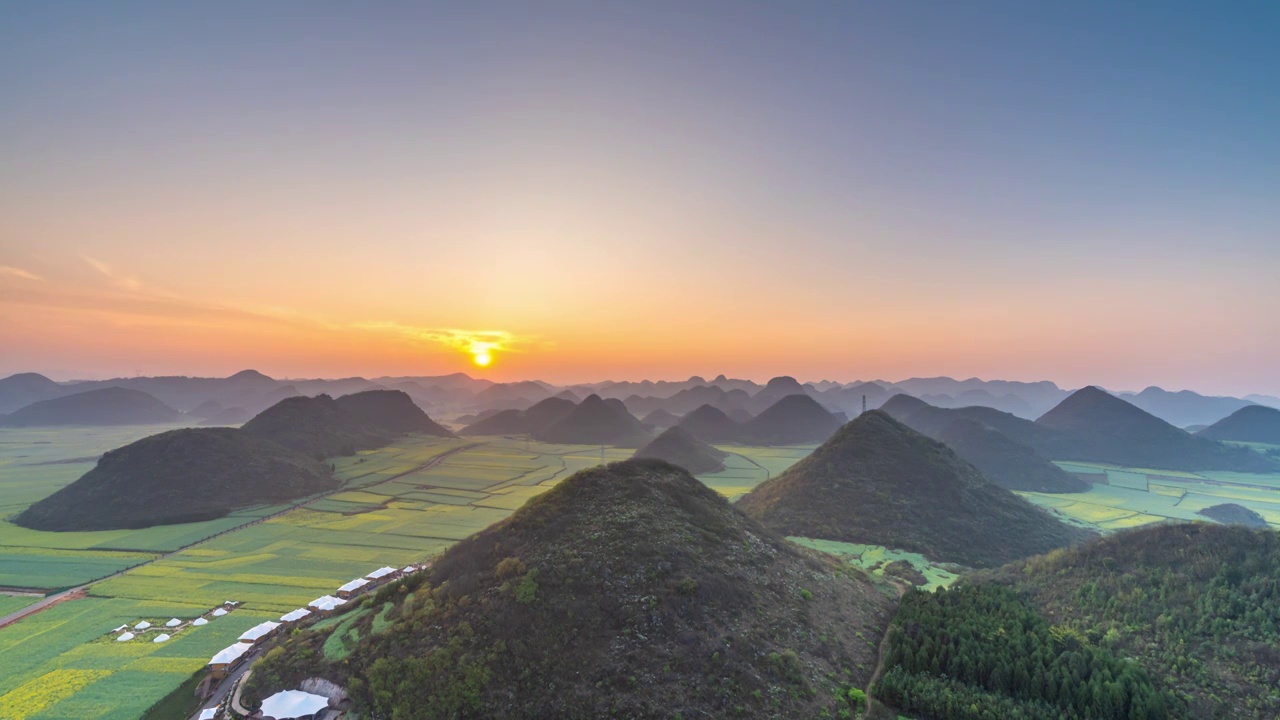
106,406
322,427
627,591
710,424
1099,427
534,419
877,481
1197,605
596,422
1254,423
390,410
793,420
179,476
1005,461
1233,514
685,451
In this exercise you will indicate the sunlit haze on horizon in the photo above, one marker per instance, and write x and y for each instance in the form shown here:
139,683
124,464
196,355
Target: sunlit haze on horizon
1083,193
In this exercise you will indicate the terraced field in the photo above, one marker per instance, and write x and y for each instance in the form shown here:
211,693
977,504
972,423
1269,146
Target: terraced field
1130,497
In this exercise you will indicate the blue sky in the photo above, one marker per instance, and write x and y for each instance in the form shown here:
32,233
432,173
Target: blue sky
992,188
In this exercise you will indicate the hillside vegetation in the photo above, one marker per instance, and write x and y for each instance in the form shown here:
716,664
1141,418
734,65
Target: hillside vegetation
628,591
179,476
1198,605
322,427
879,482
595,421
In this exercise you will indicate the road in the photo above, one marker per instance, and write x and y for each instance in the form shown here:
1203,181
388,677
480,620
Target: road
884,645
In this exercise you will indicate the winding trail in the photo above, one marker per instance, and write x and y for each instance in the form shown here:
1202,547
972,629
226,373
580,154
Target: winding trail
884,646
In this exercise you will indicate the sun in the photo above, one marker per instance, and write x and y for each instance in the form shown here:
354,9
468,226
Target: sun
482,353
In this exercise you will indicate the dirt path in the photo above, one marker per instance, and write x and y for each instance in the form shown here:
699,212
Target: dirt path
875,677
13,617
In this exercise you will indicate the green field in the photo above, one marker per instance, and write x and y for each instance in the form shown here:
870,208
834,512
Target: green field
747,467
1139,496
392,511
873,558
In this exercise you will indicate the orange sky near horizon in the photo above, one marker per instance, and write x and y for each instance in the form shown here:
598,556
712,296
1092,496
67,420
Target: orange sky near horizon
84,318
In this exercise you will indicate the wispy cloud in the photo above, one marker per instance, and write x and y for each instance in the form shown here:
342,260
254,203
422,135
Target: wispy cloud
10,271
469,341
116,277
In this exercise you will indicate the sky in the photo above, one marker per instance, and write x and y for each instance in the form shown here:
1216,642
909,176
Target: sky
1082,192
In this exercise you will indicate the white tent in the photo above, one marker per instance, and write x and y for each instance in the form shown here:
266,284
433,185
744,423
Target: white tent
290,704
295,615
208,714
219,612
326,603
122,627
125,637
259,631
380,573
160,638
200,621
231,653
142,625
354,585
173,623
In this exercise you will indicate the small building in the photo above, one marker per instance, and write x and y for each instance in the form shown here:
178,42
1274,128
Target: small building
382,575
200,621
120,629
219,612
231,604
293,705
173,623
352,588
259,632
326,604
162,637
227,659
208,714
125,637
295,615
142,625
409,570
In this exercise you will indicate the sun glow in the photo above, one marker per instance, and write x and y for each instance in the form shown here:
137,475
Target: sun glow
481,353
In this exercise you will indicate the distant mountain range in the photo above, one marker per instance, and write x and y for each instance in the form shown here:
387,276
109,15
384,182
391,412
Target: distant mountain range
233,399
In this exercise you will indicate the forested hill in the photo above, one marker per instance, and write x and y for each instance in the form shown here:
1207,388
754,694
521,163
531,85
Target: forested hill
1196,605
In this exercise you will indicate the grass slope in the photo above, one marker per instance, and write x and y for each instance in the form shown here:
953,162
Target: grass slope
1255,423
107,406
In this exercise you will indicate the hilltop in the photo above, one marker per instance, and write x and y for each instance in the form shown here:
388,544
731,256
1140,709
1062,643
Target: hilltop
22,389
106,406
1195,604
710,424
1254,423
660,418
596,422
176,477
971,432
322,427
684,451
629,590
535,419
793,420
1097,426
879,482
390,410
1233,514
